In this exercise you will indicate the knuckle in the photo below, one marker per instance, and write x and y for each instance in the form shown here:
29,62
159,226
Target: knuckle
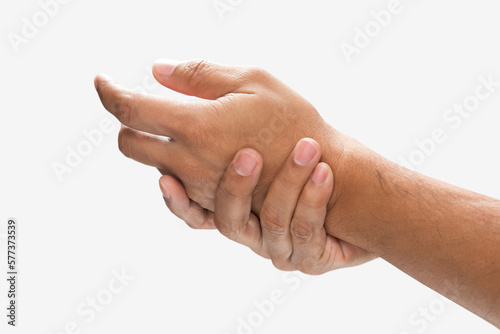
196,71
197,225
313,200
255,73
191,224
308,265
302,231
281,265
228,190
272,222
310,270
232,189
226,228
229,233
289,182
191,220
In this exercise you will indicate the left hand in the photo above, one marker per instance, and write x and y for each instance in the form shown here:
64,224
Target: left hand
244,107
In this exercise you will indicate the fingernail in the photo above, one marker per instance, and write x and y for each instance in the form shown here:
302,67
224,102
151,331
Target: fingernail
320,174
164,191
165,67
305,152
245,164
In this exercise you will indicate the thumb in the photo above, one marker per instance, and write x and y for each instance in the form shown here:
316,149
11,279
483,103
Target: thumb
199,78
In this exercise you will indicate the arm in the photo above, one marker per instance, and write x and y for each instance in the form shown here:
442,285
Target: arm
441,235
446,237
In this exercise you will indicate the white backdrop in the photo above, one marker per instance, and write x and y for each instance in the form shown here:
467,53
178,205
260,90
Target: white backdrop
393,87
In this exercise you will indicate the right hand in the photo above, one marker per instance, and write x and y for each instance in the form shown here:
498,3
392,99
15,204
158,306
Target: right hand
299,206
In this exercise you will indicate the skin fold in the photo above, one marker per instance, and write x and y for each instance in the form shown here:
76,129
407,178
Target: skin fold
446,237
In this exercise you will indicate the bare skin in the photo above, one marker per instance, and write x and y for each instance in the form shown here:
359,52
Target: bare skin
446,237
308,247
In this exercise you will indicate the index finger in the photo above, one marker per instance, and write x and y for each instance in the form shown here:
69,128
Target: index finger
147,113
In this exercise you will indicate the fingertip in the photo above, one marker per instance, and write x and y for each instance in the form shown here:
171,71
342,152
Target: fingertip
330,178
320,174
96,81
172,189
181,206
247,162
255,154
163,181
175,196
306,150
100,79
313,142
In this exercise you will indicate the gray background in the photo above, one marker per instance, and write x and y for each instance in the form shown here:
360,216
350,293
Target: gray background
108,215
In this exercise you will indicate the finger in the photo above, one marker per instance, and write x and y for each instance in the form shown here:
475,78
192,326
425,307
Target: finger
151,150
202,78
146,113
233,200
179,203
309,238
277,210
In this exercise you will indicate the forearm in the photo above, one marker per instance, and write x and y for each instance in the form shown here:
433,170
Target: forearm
446,237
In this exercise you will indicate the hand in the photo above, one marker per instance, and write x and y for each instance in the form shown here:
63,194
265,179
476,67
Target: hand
304,245
377,205
196,140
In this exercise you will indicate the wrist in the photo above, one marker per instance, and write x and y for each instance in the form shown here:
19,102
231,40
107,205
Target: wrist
361,192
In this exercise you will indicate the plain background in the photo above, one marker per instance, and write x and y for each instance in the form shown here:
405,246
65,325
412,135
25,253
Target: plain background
108,213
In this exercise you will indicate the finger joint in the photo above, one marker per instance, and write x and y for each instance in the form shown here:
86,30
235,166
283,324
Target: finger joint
302,231
272,222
